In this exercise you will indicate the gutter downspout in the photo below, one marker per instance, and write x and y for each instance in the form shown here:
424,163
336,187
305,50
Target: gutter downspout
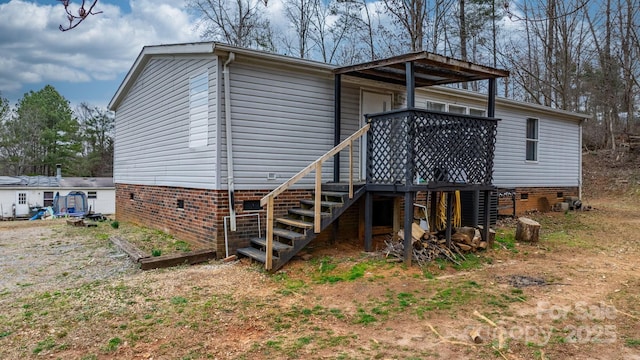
227,113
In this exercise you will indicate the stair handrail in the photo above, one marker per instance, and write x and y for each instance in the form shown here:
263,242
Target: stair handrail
268,199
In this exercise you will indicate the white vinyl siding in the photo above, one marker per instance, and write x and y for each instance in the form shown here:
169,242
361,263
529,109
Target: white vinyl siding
350,123
199,110
558,145
153,127
282,120
558,152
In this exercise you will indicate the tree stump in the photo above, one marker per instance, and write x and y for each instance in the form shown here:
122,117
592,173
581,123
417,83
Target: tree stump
527,230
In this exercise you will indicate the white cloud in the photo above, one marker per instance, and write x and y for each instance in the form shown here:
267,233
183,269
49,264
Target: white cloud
102,48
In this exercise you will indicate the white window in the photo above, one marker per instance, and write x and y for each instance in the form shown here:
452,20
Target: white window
532,139
199,110
47,198
477,112
436,106
456,109
92,194
22,198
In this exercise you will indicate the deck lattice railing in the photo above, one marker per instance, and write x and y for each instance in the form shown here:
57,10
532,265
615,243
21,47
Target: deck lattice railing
418,146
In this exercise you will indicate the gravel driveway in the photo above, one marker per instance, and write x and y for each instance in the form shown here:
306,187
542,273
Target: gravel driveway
50,255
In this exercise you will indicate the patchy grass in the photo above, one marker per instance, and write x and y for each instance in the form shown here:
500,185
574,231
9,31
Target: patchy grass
113,344
632,342
505,238
471,261
340,304
150,241
330,272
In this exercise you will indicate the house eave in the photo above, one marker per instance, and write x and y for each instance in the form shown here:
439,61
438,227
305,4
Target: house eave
224,50
145,54
504,102
204,48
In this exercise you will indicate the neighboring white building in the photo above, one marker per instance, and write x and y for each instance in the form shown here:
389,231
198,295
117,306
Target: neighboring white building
19,194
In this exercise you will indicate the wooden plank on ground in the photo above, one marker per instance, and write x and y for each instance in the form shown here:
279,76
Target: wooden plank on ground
134,253
75,222
165,261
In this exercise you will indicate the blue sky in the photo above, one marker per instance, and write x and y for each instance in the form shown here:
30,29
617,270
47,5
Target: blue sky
86,64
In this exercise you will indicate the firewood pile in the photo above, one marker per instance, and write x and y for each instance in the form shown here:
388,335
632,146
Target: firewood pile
428,246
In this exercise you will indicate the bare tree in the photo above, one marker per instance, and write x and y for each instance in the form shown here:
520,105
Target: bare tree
301,14
77,16
96,135
351,34
235,22
412,16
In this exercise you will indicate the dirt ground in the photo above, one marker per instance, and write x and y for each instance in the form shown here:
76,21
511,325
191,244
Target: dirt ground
66,293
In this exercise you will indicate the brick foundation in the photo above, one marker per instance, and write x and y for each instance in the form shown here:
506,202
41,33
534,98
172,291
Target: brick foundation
532,198
200,221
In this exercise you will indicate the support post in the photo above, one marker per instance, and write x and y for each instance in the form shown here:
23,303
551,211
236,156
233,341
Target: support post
396,215
335,231
449,216
337,109
408,222
491,99
475,215
433,209
486,208
368,221
317,219
350,169
410,84
268,264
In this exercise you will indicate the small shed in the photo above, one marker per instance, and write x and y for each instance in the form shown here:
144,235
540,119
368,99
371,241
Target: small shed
20,195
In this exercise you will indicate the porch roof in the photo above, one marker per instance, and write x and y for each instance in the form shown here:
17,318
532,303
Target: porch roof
429,69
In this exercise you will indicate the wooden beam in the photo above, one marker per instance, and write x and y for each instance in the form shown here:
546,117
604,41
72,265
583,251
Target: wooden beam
131,250
410,78
437,61
317,219
351,169
396,215
268,264
486,207
192,257
337,113
408,226
368,221
491,99
449,217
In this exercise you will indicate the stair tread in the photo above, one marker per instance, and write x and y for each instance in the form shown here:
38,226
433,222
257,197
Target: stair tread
334,193
277,246
256,254
322,203
287,234
305,212
296,223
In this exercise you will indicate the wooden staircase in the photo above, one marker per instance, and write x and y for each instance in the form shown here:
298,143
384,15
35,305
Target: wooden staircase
295,230
287,235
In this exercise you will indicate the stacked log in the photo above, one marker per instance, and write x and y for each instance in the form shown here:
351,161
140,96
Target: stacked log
468,239
428,246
